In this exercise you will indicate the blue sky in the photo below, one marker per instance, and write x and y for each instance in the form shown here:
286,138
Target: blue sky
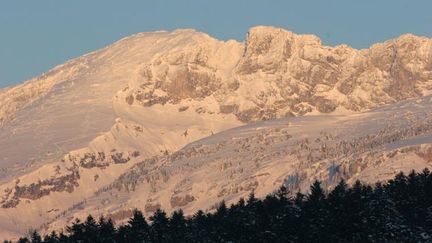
37,35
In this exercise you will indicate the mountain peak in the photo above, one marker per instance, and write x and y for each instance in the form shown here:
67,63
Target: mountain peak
169,89
270,31
180,30
411,36
265,29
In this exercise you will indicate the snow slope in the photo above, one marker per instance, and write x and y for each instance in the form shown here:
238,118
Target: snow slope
370,146
156,120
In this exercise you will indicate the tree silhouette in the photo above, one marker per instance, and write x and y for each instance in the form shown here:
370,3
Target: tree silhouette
177,226
106,230
138,227
159,227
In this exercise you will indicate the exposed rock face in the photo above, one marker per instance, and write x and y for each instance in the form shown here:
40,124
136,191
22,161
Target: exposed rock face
276,73
181,201
34,191
299,75
282,74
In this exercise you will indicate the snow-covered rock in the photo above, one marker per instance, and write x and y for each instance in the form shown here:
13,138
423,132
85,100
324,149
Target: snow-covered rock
115,129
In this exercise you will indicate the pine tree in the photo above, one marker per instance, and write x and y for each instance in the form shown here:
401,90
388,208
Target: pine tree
123,234
382,222
23,240
199,227
76,231
315,216
283,194
51,238
354,210
221,210
91,231
107,230
138,227
285,225
35,237
417,209
159,227
62,238
299,199
177,226
251,199
338,221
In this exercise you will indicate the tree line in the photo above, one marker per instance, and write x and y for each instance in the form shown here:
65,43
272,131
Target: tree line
399,210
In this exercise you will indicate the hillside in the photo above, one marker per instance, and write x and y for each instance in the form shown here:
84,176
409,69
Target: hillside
182,120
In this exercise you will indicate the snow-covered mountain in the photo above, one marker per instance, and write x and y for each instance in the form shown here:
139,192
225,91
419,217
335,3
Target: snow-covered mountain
157,120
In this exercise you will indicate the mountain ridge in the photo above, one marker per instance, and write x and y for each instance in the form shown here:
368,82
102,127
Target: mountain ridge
151,96
258,30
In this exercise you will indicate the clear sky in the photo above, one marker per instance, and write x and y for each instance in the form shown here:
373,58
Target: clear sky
37,35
